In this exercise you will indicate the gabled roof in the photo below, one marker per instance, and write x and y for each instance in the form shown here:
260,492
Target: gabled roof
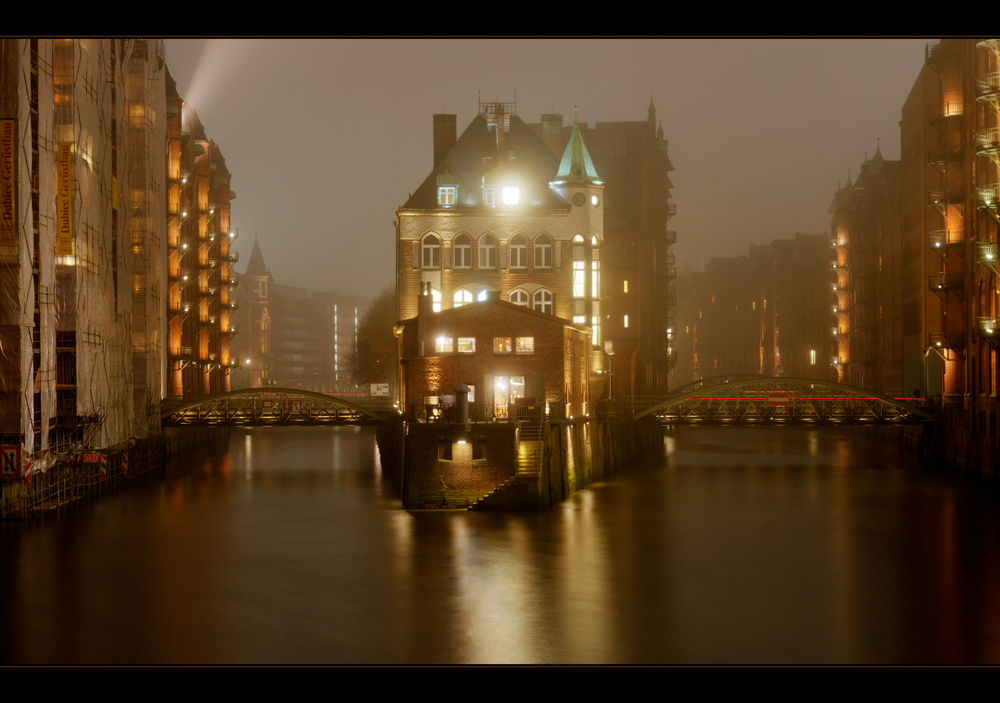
525,159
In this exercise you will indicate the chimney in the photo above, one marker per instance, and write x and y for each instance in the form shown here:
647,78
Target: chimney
445,135
552,133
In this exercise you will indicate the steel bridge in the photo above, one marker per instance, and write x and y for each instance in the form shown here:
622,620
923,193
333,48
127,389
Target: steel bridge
780,400
254,407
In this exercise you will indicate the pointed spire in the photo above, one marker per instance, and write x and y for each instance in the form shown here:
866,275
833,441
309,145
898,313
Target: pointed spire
256,267
576,165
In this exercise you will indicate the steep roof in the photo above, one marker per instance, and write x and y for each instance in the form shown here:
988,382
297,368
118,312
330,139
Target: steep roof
475,153
576,165
256,266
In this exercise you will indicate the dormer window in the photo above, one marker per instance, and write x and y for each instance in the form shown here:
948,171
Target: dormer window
446,195
511,195
490,194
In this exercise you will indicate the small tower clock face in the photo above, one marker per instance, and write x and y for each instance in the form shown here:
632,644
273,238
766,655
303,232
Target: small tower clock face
578,199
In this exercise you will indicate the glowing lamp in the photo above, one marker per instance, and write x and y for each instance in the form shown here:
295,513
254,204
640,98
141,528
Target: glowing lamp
511,195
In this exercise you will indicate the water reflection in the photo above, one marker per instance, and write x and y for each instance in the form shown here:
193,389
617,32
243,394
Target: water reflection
741,546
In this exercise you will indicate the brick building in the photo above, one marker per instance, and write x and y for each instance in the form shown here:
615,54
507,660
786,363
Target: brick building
638,264
500,212
199,263
501,350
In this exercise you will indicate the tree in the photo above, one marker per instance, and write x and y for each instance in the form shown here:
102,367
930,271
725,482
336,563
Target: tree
377,354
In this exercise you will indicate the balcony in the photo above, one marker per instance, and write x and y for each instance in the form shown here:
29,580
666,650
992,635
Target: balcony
989,327
938,114
988,87
932,54
988,255
181,352
946,340
671,236
233,329
232,281
988,196
988,142
942,283
178,307
233,305
233,257
207,319
671,209
942,238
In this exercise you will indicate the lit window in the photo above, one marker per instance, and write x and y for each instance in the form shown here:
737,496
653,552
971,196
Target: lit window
595,323
543,252
463,251
443,344
446,195
462,297
435,300
579,279
626,320
625,286
519,297
467,345
543,301
511,195
595,280
487,252
579,319
518,252
472,392
525,345
482,295
490,194
812,357
432,252
501,345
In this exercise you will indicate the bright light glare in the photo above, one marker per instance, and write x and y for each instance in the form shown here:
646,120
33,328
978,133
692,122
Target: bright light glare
511,195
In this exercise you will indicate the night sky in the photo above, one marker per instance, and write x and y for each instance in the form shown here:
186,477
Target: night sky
325,138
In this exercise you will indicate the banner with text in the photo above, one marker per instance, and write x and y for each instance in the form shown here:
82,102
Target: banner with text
64,200
8,182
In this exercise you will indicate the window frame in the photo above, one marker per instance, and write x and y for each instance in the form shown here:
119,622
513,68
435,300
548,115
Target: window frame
543,251
518,246
433,251
540,305
462,246
488,243
505,343
520,292
529,345
443,195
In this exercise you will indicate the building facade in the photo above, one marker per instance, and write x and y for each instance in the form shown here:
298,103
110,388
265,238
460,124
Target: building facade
82,244
199,260
500,212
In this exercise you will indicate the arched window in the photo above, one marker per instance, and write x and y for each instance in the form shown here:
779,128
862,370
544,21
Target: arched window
519,297
435,300
518,252
487,252
482,295
462,297
543,301
463,251
432,252
543,251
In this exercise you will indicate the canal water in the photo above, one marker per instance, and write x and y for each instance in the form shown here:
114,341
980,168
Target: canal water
757,546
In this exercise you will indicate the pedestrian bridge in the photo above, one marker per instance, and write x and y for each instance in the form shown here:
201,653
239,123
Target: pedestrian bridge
770,400
254,407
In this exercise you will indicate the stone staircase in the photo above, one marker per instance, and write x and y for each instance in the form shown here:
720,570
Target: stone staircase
528,471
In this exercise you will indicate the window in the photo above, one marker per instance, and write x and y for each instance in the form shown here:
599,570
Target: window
519,297
443,345
446,195
482,295
462,297
543,301
435,300
518,252
511,195
467,345
501,345
625,286
525,345
543,252
463,251
472,392
487,252
579,279
432,252
490,194
626,320
812,357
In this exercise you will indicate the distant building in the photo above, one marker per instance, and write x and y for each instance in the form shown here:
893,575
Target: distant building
292,337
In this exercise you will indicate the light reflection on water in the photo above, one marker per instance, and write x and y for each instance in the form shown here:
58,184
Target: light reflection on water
741,546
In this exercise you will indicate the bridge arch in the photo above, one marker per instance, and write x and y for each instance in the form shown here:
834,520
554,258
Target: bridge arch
810,398
249,406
